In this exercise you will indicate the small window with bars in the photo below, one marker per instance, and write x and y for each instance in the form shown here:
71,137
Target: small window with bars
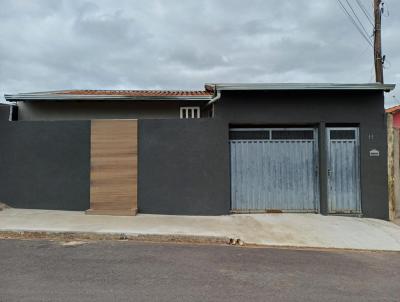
271,134
342,134
249,135
190,112
292,134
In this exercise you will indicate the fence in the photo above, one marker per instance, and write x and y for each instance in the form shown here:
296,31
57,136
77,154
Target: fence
110,167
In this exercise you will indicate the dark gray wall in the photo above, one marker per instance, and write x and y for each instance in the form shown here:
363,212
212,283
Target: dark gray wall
45,165
4,112
86,110
365,109
183,167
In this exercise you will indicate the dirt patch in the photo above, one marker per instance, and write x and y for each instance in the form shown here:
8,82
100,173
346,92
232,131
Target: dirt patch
81,237
3,206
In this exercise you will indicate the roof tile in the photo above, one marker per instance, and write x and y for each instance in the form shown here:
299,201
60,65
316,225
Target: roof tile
139,93
393,109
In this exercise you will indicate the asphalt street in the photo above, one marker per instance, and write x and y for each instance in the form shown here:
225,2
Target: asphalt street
33,270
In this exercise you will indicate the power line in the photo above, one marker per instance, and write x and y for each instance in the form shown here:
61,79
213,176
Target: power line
361,30
359,21
363,34
365,11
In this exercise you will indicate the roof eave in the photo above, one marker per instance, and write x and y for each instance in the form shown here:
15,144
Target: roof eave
301,86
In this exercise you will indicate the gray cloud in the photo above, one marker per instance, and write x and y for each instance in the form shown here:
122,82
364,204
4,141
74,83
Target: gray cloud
128,44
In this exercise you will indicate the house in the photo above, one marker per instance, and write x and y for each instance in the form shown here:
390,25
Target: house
230,148
395,113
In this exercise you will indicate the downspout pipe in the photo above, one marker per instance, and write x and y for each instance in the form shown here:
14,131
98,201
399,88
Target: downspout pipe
214,99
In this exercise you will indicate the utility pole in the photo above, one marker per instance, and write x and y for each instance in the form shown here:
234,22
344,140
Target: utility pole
378,42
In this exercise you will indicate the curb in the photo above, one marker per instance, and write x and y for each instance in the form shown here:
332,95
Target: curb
114,236
163,238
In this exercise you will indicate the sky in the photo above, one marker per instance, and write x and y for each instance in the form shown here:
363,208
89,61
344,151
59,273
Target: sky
171,44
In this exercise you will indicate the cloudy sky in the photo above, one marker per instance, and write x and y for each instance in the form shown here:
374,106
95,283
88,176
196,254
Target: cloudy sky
171,44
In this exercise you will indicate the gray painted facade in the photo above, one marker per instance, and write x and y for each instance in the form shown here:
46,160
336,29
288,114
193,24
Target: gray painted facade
322,109
45,165
87,110
254,109
183,167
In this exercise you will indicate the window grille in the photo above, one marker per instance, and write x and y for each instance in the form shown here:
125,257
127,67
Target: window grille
190,112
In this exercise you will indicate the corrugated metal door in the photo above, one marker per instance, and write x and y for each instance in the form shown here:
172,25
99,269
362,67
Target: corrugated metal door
274,169
343,171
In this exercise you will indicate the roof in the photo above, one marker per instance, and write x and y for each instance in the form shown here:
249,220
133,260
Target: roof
205,95
393,109
150,93
188,95
299,86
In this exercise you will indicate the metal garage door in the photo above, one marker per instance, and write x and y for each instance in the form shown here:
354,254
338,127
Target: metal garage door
343,171
274,169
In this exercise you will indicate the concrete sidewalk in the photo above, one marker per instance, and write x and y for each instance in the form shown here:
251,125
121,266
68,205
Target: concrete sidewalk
291,230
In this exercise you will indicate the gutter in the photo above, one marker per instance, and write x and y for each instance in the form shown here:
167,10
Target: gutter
300,86
39,97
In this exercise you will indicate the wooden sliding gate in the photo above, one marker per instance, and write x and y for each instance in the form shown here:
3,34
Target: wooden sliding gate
113,167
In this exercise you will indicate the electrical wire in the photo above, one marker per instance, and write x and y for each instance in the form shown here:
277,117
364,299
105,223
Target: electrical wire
365,11
359,21
363,34
361,30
